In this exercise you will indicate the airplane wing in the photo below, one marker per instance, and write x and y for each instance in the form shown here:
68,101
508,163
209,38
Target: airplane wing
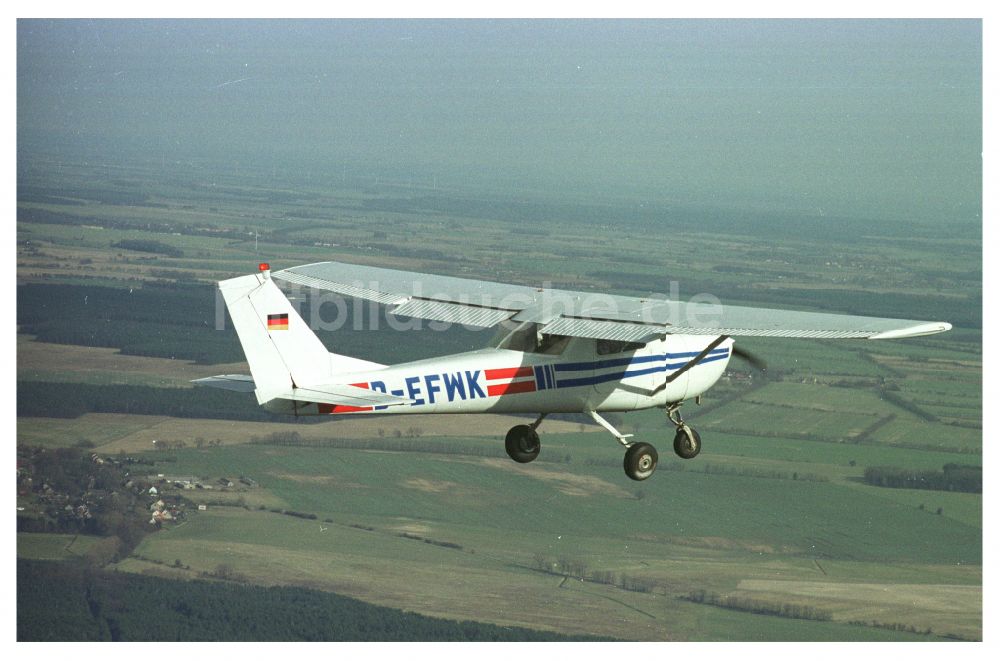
585,314
336,394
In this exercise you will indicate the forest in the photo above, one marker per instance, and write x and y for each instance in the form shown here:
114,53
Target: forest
951,477
67,601
70,400
179,321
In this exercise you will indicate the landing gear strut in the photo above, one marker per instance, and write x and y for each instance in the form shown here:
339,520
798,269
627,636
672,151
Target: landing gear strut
687,442
640,458
522,442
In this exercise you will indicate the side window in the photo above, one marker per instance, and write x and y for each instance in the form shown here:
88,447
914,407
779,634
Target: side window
553,345
605,347
524,337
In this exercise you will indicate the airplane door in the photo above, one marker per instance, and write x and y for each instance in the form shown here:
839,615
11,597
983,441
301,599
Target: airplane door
619,374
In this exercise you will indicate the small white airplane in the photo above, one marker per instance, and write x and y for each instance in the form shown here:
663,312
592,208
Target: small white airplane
558,351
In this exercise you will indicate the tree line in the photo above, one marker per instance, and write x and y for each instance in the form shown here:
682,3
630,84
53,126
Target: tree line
150,246
951,477
575,568
759,606
892,397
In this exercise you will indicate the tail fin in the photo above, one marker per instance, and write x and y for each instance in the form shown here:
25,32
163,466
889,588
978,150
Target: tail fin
283,352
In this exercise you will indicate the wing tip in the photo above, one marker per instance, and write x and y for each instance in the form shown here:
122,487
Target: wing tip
930,328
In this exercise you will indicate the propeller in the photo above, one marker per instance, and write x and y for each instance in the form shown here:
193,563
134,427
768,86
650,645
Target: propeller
753,360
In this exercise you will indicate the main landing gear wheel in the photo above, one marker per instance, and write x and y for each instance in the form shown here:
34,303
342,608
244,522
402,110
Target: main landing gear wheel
522,443
687,442
640,461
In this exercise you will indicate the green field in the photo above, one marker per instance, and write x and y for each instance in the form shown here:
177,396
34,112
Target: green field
729,529
50,546
490,490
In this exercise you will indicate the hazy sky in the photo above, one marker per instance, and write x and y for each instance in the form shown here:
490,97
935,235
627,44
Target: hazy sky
876,119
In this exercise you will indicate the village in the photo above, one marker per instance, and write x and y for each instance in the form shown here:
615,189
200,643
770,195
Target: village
69,490
171,503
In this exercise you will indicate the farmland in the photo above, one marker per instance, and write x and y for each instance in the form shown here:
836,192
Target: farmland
375,509
774,511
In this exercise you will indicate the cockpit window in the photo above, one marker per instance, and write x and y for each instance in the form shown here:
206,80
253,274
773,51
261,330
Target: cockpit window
605,347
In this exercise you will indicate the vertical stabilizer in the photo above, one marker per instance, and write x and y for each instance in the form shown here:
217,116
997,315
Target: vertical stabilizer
283,352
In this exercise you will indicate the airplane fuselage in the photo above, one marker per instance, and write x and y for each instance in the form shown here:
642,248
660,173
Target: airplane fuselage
580,377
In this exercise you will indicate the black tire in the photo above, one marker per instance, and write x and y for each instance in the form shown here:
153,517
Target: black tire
687,447
640,461
522,444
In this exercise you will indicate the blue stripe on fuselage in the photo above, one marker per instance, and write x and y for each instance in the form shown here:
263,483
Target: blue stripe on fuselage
540,382
633,360
625,374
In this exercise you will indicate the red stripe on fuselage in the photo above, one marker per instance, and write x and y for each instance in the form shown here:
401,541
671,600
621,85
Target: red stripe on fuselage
509,373
510,388
326,409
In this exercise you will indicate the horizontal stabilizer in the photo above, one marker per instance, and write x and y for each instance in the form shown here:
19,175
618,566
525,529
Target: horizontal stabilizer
235,382
343,395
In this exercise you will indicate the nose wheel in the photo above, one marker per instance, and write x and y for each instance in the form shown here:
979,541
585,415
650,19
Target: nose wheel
687,442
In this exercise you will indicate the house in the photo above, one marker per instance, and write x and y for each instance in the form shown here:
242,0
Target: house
159,516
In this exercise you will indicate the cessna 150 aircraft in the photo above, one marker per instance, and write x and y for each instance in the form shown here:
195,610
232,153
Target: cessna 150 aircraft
559,351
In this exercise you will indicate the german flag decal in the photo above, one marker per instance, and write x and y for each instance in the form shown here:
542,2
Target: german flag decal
277,322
